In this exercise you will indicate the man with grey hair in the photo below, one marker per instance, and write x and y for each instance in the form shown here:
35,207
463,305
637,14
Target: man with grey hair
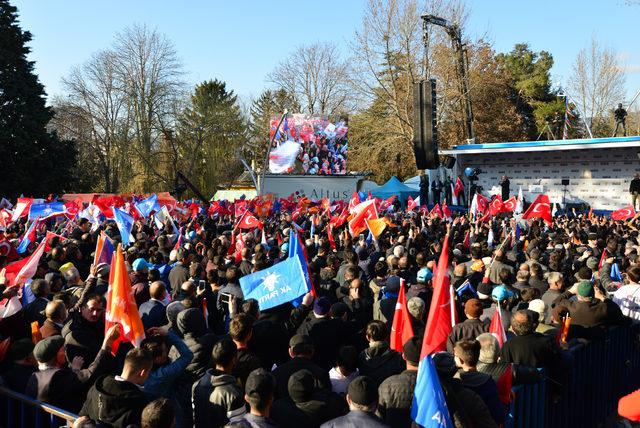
488,362
56,313
556,283
417,309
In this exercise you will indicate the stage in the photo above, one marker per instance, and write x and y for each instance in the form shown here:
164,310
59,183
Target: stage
599,170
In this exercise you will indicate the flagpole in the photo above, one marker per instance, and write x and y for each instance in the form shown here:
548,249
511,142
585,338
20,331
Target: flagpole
266,158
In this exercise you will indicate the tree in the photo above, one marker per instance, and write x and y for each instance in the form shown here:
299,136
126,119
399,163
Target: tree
95,113
36,161
269,104
317,79
530,74
149,73
597,84
210,132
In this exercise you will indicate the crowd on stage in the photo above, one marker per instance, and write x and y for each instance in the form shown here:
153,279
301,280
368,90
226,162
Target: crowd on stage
479,303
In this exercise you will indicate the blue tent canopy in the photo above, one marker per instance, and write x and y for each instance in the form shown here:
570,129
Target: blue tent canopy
395,187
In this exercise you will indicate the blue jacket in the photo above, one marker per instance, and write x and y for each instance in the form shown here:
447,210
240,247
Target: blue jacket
161,379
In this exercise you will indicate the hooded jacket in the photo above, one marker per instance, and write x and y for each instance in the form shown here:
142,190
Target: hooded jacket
380,362
484,385
114,402
199,341
217,399
396,398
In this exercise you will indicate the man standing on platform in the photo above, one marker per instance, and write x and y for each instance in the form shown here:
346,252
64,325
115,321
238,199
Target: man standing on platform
448,185
436,189
634,189
504,183
424,189
620,116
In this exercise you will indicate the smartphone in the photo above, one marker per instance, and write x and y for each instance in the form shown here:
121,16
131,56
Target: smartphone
202,284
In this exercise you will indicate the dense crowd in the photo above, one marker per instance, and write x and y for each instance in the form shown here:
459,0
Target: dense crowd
212,358
323,145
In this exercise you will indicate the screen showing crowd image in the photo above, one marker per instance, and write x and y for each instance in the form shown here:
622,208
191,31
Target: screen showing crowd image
307,144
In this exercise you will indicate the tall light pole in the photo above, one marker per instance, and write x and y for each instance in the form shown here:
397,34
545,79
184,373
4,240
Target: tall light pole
454,33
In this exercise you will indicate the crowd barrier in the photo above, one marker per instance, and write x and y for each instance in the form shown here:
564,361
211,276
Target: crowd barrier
21,411
599,373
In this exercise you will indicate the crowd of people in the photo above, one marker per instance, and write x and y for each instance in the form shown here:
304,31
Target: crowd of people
213,358
323,144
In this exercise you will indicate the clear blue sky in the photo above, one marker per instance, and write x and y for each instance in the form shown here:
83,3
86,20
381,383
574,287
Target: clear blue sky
240,41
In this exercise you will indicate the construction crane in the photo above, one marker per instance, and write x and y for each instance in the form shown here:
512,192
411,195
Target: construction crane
456,38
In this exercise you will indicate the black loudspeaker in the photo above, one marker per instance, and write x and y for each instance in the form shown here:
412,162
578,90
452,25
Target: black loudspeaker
425,132
565,181
449,162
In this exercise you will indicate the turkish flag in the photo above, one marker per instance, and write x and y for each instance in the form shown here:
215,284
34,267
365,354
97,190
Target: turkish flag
540,208
338,220
412,204
435,212
401,329
483,203
354,201
441,312
496,205
509,205
365,211
624,213
446,211
458,188
496,328
504,385
240,207
248,221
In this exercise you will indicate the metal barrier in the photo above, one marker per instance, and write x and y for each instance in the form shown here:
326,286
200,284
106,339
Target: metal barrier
19,410
600,373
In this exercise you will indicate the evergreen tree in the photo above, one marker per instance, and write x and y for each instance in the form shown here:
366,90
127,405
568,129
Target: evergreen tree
35,161
211,130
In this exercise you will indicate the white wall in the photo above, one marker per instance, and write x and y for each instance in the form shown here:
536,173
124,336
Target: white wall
599,177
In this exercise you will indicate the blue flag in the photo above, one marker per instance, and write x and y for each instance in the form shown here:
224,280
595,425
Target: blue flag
28,238
518,232
145,206
274,286
296,251
125,224
466,285
429,407
46,210
615,273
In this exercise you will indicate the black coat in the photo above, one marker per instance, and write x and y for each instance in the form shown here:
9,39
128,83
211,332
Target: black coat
396,398
63,387
327,335
216,398
312,413
355,419
284,372
153,314
380,362
469,329
113,402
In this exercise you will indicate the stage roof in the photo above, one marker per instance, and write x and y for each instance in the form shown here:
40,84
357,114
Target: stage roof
548,145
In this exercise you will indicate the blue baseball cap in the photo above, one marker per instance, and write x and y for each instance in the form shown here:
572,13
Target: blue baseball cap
139,265
424,275
501,293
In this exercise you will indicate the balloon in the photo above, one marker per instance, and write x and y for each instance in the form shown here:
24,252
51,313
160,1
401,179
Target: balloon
468,171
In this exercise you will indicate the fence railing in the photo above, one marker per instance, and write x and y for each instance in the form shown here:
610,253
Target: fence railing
600,372
21,411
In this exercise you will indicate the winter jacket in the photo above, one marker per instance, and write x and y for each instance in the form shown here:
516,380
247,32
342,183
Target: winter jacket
592,313
327,336
379,362
284,371
247,362
396,397
355,419
117,403
469,329
161,380
153,314
64,387
309,414
216,399
483,385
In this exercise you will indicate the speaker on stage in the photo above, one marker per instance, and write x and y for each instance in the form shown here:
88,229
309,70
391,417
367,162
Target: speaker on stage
449,162
425,133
